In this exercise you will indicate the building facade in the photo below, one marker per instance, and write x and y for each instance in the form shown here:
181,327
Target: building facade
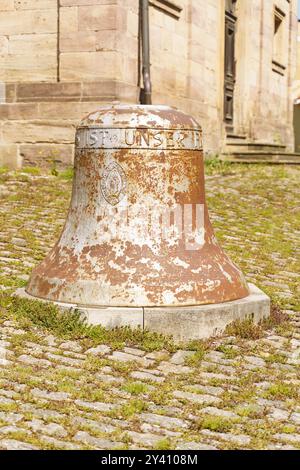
230,63
297,96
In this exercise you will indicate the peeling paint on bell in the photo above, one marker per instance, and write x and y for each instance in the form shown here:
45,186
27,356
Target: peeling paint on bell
138,232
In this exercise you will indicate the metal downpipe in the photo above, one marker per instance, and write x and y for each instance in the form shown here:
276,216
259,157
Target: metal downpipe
146,92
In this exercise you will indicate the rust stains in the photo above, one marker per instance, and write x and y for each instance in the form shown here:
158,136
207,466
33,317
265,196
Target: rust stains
132,236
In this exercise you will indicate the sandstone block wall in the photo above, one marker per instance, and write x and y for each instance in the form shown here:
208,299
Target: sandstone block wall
28,40
60,59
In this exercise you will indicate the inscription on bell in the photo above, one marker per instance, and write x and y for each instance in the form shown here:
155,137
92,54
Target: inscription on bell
113,183
95,138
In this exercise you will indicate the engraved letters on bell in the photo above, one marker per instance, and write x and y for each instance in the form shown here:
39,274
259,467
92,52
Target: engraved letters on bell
138,232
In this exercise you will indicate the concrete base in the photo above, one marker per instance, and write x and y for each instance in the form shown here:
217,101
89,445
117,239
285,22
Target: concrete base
183,323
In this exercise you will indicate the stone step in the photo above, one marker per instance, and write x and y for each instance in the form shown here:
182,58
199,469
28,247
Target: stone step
261,157
246,146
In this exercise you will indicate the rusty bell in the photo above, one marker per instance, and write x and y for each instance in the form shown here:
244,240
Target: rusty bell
138,232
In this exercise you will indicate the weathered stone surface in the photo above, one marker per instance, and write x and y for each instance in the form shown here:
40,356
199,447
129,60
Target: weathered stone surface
9,156
64,360
57,444
144,439
196,398
109,378
164,421
71,346
194,446
11,418
256,361
45,414
53,396
295,438
208,389
100,350
295,418
146,376
168,368
200,322
97,443
94,425
235,438
52,429
97,17
12,444
213,375
38,130
26,359
135,351
180,357
11,429
26,22
260,398
158,355
94,406
7,5
279,415
125,357
219,412
6,401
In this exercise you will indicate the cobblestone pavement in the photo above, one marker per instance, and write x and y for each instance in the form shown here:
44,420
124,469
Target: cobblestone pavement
233,393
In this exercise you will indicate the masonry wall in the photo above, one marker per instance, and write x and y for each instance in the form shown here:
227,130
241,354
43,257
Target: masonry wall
28,40
187,64
61,59
264,105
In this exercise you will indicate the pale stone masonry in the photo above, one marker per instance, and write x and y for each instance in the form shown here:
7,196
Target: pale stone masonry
297,96
60,59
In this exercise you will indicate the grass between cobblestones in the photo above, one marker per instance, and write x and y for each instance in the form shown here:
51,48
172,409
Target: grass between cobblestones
239,391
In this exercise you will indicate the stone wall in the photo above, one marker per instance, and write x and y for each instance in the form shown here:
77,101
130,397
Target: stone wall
28,40
264,105
62,59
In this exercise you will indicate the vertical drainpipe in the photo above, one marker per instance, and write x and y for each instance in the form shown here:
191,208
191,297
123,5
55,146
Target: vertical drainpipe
146,92
58,43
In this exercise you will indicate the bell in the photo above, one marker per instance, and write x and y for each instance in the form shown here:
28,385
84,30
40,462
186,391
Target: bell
138,232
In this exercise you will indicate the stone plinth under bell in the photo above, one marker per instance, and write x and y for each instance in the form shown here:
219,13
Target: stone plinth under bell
183,323
138,247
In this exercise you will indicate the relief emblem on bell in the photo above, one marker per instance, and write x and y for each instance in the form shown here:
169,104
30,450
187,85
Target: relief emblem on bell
113,183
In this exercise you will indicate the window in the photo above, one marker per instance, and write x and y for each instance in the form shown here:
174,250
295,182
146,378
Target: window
279,41
170,7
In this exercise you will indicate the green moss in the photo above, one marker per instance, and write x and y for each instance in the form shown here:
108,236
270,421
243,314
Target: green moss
196,359
245,329
228,351
67,174
281,391
31,170
135,388
289,429
164,444
215,166
216,424
71,325
128,410
276,359
250,411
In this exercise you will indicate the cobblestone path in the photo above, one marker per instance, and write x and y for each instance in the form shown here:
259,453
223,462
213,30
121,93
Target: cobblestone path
236,392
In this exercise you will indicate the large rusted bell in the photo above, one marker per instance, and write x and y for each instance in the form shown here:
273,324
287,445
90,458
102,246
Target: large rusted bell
138,231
